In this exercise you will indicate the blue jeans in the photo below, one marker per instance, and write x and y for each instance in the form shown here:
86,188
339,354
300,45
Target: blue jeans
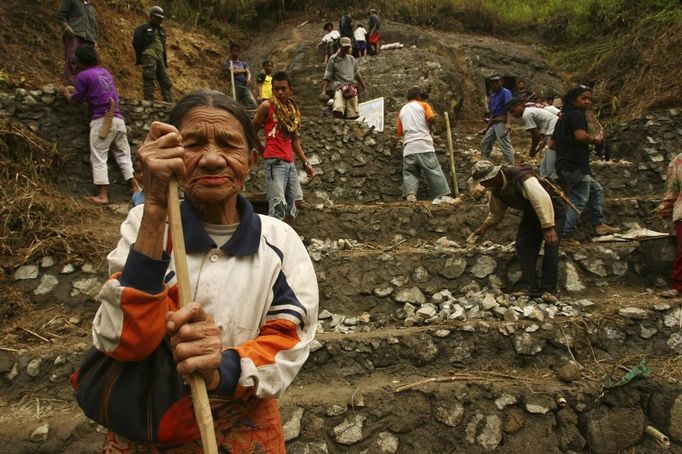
548,164
418,164
498,132
586,194
282,188
245,97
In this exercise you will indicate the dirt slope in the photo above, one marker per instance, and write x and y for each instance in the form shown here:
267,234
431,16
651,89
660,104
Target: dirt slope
32,51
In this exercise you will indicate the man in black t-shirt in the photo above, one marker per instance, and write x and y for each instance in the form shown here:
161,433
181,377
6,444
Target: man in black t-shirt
572,143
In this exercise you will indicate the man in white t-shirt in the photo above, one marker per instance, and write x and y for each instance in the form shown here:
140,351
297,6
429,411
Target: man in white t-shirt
540,123
419,155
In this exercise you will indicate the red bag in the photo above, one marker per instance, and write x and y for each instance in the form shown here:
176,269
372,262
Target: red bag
374,38
349,91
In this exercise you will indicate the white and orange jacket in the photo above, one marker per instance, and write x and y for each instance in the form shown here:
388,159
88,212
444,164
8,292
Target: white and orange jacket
260,287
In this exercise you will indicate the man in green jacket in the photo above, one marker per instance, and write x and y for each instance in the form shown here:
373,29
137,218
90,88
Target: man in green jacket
149,42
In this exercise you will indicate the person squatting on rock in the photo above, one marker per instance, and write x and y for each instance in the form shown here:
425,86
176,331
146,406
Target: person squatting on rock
95,86
543,213
572,144
254,291
264,82
671,208
149,42
497,129
540,124
330,41
419,155
280,119
79,28
242,77
342,72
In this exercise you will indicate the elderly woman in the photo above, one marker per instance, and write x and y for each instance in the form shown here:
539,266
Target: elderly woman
254,291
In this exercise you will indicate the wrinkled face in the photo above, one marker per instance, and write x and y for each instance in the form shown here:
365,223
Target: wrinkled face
268,67
281,89
584,100
217,158
234,53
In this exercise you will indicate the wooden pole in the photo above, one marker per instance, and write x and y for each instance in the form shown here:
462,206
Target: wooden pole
202,408
451,152
234,89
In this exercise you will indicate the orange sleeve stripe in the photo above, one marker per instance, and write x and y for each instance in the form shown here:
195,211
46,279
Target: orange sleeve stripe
428,111
275,336
144,323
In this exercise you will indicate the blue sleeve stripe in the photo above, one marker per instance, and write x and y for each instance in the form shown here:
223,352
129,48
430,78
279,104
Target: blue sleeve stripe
284,295
230,371
143,273
288,312
279,253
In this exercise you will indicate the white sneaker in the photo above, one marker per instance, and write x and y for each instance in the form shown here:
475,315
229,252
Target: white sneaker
411,198
444,199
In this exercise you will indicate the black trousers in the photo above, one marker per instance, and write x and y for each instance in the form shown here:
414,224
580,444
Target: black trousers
528,241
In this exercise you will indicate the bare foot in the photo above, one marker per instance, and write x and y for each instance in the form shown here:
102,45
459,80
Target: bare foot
96,200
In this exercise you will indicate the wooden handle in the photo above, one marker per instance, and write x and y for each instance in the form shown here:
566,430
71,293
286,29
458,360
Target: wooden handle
202,408
451,152
234,89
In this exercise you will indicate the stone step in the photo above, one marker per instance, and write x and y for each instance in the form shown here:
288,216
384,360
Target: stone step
386,222
358,280
609,328
355,164
611,332
473,411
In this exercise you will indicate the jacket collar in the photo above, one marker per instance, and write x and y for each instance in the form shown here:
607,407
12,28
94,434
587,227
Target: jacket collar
244,242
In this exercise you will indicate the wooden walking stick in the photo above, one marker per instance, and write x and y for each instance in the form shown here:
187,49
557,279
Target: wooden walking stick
453,170
202,408
234,89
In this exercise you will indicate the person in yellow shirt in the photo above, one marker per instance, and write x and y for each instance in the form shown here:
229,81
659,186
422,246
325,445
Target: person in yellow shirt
264,82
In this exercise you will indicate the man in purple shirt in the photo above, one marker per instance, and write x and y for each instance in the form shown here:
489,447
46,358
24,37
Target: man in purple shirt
497,129
95,86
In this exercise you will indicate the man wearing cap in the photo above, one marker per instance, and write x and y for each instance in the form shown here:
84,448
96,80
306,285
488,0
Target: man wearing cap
149,42
80,28
341,72
539,122
543,213
419,155
497,129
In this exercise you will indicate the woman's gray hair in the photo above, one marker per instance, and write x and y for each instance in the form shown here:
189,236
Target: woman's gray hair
213,98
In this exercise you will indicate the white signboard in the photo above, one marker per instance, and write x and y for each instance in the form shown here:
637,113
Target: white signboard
372,113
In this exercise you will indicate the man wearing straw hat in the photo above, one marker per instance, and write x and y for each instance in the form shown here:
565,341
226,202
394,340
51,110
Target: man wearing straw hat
543,213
